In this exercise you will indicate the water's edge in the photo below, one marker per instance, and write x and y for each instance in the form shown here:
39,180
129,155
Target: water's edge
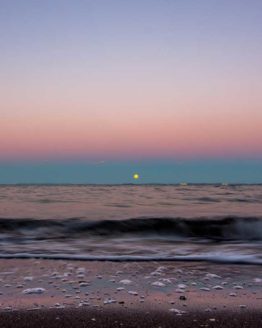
250,260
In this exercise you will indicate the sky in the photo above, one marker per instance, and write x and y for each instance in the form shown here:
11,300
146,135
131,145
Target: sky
93,91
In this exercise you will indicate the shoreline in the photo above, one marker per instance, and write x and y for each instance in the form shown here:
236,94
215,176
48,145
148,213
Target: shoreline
234,260
136,294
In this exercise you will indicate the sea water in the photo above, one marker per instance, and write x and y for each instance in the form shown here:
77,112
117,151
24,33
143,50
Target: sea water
132,222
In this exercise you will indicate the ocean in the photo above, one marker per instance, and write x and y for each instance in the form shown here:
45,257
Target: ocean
219,223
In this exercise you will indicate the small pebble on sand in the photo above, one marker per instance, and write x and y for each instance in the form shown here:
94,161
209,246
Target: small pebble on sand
177,311
38,290
28,278
109,301
238,287
131,292
218,287
178,290
212,276
182,298
83,284
125,282
158,284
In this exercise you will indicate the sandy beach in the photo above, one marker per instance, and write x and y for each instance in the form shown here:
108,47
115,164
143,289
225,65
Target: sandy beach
146,294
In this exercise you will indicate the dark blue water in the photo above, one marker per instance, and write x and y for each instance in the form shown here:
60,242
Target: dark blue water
132,222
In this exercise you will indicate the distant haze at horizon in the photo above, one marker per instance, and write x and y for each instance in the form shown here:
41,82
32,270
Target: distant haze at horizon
109,172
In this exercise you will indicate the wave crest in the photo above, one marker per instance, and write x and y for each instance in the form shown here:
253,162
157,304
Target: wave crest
230,228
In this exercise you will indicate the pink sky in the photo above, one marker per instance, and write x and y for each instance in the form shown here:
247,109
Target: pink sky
130,80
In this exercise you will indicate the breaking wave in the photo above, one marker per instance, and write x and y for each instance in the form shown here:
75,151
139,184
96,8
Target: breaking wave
231,228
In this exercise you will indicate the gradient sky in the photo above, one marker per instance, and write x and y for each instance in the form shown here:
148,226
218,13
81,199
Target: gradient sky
131,85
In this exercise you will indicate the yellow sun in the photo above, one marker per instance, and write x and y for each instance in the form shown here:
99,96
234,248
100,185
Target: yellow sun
136,176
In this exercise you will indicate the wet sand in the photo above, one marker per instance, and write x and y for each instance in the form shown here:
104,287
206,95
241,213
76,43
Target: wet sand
119,318
146,294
